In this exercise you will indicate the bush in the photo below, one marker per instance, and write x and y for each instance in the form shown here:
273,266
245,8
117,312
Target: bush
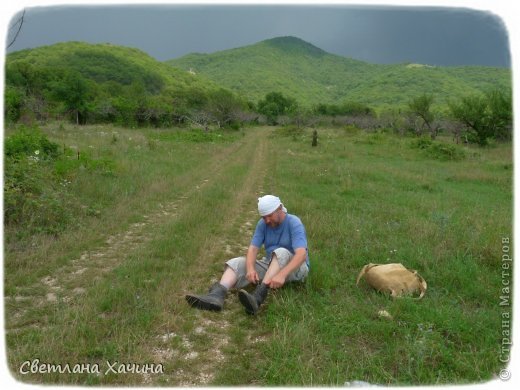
234,126
487,116
443,151
37,176
30,141
275,104
439,150
13,103
422,143
32,197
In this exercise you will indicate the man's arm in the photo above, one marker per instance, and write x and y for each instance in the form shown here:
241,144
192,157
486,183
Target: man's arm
251,274
300,255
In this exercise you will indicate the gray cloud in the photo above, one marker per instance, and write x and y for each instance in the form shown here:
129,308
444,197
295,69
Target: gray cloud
437,36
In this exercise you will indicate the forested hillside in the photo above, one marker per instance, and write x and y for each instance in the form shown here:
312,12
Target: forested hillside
313,76
277,81
103,83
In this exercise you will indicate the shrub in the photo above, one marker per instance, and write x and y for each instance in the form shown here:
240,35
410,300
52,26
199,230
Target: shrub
443,151
13,99
37,176
487,116
234,126
32,197
275,104
439,150
30,141
422,143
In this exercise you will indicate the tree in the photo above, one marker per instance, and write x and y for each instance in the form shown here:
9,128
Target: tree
488,115
33,79
72,90
138,98
275,104
471,112
420,107
14,98
224,107
158,111
500,107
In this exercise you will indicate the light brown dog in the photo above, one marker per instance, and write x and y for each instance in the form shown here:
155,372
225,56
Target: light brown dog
393,278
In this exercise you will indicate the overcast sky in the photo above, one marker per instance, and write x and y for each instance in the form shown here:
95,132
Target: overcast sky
435,36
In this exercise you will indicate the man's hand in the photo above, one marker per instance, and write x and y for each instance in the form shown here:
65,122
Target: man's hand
277,281
252,276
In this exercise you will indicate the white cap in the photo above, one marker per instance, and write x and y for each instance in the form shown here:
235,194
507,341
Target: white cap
269,203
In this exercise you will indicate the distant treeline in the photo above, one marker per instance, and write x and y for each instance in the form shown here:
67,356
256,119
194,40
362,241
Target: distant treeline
88,84
472,119
50,94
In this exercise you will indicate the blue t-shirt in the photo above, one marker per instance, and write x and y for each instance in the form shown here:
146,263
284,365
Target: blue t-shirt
290,234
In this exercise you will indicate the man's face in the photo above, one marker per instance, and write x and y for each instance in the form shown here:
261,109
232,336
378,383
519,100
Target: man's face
273,219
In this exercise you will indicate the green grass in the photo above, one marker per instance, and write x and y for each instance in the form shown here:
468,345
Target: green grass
146,173
363,198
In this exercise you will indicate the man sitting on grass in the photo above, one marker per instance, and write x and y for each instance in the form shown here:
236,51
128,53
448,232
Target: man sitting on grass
287,259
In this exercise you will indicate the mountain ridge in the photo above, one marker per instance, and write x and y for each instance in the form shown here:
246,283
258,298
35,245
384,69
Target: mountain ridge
289,65
294,44
311,75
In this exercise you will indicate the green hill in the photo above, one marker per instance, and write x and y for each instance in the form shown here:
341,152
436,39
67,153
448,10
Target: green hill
112,83
311,75
107,63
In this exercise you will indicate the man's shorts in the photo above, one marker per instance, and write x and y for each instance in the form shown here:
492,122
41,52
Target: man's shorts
238,264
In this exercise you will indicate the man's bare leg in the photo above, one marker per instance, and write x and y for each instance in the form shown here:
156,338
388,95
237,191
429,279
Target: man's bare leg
273,270
229,278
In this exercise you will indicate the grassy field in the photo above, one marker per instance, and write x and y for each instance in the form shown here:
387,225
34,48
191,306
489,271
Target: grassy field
110,289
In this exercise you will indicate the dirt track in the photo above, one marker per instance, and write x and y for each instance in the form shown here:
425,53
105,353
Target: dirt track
68,283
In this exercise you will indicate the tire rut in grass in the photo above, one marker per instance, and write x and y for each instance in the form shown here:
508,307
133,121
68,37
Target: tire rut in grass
67,283
77,277
199,362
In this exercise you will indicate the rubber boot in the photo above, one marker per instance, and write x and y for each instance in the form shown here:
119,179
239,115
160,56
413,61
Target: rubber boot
213,301
252,302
